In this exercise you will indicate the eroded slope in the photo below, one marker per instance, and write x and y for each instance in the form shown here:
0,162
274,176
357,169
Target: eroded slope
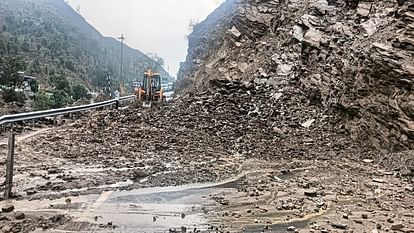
351,56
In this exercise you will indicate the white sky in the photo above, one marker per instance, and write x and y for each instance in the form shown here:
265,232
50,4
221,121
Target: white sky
159,26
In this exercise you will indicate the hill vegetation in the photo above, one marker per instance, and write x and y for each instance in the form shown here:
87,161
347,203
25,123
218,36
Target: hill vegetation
49,40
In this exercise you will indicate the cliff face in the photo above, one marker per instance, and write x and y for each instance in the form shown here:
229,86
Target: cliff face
350,58
206,40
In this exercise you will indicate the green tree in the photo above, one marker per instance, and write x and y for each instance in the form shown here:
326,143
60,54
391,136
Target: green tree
2,47
10,95
9,75
100,78
60,83
34,86
79,91
43,101
60,99
36,66
26,47
69,65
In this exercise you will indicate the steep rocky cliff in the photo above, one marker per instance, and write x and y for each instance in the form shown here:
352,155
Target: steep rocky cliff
353,59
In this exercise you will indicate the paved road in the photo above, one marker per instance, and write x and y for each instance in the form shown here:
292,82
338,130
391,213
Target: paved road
144,210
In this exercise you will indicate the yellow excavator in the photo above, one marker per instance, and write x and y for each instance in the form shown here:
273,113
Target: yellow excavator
150,90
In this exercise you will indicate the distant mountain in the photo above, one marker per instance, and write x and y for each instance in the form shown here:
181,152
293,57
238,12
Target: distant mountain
51,37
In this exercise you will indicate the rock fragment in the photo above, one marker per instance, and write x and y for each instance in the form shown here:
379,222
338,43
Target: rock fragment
340,226
7,208
19,215
235,32
397,226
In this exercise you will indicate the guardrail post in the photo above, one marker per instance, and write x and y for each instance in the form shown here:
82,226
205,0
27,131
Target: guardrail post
9,169
3,128
54,121
117,104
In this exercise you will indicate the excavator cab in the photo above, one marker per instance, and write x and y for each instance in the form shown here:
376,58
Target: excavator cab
150,90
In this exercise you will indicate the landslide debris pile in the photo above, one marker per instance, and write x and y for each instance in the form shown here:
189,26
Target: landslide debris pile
353,56
193,135
253,120
230,118
204,136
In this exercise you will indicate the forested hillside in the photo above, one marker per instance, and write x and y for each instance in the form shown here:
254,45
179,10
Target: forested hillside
49,38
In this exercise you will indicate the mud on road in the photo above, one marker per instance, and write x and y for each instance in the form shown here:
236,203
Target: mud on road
300,169
306,196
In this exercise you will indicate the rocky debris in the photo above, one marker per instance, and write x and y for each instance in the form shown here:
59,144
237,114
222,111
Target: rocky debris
218,133
376,180
339,226
397,226
7,208
283,199
235,32
291,228
19,215
351,56
12,107
195,133
311,194
24,224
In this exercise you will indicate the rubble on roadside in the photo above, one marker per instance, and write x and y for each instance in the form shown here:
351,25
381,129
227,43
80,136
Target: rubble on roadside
191,139
17,221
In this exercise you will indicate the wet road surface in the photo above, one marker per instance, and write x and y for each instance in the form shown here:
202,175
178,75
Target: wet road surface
144,210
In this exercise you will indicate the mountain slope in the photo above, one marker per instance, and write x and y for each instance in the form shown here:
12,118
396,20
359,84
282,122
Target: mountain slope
53,38
351,58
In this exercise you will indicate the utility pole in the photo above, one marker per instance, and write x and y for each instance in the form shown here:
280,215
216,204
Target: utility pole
122,38
108,80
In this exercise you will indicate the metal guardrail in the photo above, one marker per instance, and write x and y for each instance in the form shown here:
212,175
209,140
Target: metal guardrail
61,111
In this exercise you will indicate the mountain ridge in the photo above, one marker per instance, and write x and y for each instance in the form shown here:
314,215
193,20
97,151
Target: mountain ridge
50,36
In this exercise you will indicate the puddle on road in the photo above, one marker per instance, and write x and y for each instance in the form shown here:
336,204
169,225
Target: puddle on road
143,210
276,227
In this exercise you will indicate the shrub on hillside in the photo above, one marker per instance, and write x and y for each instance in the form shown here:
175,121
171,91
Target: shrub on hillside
9,75
60,99
42,101
34,86
79,91
60,83
10,95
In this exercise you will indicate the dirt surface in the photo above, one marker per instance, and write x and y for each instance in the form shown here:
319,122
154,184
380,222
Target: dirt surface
302,170
197,138
317,196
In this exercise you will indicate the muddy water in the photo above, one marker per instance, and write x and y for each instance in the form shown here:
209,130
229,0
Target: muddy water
144,210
